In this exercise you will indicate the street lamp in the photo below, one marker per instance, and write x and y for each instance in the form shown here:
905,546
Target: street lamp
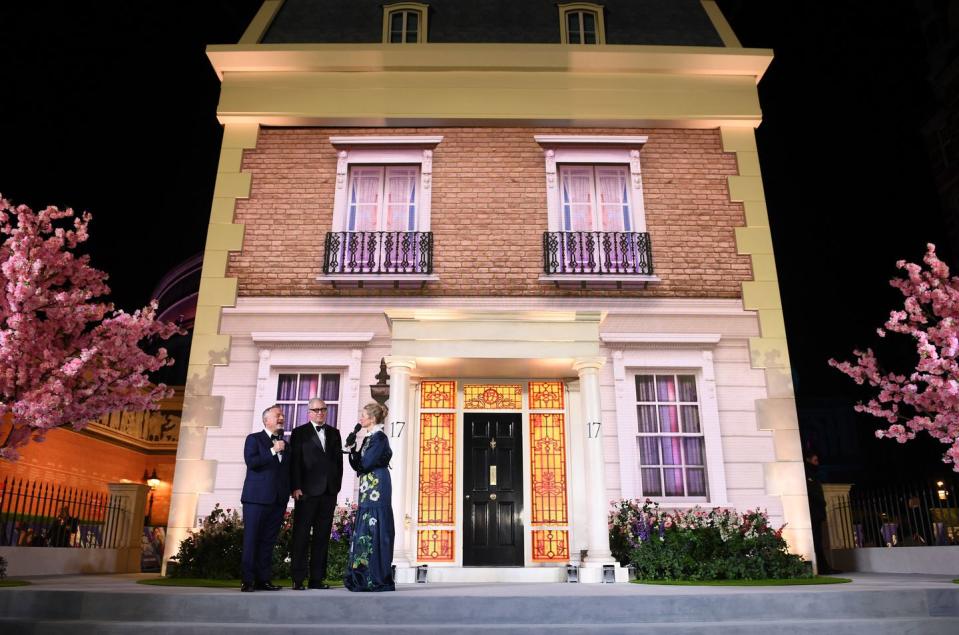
153,482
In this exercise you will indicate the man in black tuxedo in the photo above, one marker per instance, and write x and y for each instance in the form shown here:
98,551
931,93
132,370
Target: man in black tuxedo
316,464
266,490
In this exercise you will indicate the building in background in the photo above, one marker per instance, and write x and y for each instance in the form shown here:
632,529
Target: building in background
548,220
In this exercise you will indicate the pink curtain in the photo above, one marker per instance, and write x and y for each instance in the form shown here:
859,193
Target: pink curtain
577,198
365,186
401,199
613,204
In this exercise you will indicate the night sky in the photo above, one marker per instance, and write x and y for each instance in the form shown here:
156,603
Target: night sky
109,107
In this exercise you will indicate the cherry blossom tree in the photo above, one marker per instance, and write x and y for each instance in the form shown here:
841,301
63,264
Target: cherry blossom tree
66,357
927,399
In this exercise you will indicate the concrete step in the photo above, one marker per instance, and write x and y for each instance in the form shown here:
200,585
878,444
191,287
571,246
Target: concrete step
884,626
420,606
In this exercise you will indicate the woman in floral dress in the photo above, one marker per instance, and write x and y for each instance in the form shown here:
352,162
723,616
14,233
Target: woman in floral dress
369,566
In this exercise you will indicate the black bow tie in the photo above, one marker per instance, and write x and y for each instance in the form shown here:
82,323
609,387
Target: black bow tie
276,437
318,427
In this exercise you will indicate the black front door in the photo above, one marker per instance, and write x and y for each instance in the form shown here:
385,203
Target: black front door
493,490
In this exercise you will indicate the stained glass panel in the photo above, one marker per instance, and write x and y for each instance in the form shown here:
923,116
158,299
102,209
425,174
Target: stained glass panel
438,394
492,396
546,395
434,545
551,545
547,445
437,465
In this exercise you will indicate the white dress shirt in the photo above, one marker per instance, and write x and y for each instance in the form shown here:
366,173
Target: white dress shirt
272,450
321,433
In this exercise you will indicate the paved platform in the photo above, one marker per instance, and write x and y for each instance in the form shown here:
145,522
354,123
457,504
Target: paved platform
872,603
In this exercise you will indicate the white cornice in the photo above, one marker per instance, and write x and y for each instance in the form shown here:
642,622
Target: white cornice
268,339
698,339
383,140
565,139
355,305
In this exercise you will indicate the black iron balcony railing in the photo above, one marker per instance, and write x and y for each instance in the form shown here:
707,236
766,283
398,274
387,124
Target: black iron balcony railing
600,253
378,253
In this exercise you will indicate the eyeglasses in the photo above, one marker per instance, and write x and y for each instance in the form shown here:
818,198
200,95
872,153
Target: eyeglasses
318,409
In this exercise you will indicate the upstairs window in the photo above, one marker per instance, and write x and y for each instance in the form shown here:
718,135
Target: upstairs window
404,23
582,23
383,198
595,198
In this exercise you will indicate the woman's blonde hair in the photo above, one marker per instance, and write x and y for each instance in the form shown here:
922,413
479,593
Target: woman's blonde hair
376,411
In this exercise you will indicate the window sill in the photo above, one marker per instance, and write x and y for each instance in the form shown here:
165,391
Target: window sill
378,280
588,281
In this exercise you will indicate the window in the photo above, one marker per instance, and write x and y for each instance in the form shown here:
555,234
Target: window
669,436
383,198
405,23
294,391
595,198
581,23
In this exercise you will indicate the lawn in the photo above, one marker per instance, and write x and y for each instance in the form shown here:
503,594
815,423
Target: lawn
10,583
217,584
768,582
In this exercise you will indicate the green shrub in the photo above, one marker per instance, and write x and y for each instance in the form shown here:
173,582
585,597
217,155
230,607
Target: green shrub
3,567
697,544
215,549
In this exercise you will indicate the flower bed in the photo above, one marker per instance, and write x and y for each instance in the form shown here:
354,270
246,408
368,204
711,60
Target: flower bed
699,544
214,550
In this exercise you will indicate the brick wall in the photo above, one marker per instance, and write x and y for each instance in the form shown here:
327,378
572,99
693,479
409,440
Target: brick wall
489,213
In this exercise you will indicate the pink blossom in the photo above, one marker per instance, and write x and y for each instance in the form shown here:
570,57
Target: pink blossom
65,357
928,399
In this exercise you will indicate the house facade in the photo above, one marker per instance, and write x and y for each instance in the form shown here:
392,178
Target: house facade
547,221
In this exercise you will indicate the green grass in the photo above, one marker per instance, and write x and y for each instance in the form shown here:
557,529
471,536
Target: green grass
9,583
216,584
956,581
768,582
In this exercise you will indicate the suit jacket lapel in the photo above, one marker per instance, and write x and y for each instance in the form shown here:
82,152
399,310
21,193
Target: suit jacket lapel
316,438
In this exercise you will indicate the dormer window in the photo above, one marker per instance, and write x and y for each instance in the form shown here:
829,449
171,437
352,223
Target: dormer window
582,23
405,23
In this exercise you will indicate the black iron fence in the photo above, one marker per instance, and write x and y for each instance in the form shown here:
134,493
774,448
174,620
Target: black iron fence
35,514
378,253
906,514
604,253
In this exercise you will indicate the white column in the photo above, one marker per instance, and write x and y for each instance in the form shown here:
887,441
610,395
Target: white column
398,430
596,500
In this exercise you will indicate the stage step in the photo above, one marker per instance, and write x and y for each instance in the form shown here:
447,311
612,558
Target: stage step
502,608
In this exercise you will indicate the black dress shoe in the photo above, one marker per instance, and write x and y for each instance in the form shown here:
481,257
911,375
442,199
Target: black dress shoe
321,585
298,586
247,587
266,586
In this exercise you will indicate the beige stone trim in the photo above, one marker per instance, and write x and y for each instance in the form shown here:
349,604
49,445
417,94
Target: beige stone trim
722,27
777,412
195,475
261,22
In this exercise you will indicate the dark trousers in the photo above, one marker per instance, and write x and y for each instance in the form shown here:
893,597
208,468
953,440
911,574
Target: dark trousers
312,513
261,528
817,540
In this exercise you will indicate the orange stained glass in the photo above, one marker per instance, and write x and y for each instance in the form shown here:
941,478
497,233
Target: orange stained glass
550,545
545,395
547,452
437,463
438,394
492,396
434,545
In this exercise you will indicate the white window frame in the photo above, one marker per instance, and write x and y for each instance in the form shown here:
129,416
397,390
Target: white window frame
381,211
406,7
595,211
312,371
383,151
581,7
592,150
637,354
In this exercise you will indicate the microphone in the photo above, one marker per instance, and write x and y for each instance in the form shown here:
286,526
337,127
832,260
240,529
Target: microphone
351,437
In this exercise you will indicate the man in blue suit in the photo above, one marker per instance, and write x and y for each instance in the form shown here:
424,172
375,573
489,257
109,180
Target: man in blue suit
266,490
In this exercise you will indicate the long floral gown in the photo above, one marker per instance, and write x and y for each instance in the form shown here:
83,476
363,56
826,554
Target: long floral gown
369,566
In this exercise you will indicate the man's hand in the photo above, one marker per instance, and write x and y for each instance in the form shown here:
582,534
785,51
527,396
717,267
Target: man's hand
297,493
279,446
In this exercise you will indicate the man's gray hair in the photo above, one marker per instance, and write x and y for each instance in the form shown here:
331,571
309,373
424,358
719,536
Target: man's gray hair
267,411
314,400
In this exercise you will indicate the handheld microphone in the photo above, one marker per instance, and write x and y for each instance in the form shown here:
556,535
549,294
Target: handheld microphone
351,438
